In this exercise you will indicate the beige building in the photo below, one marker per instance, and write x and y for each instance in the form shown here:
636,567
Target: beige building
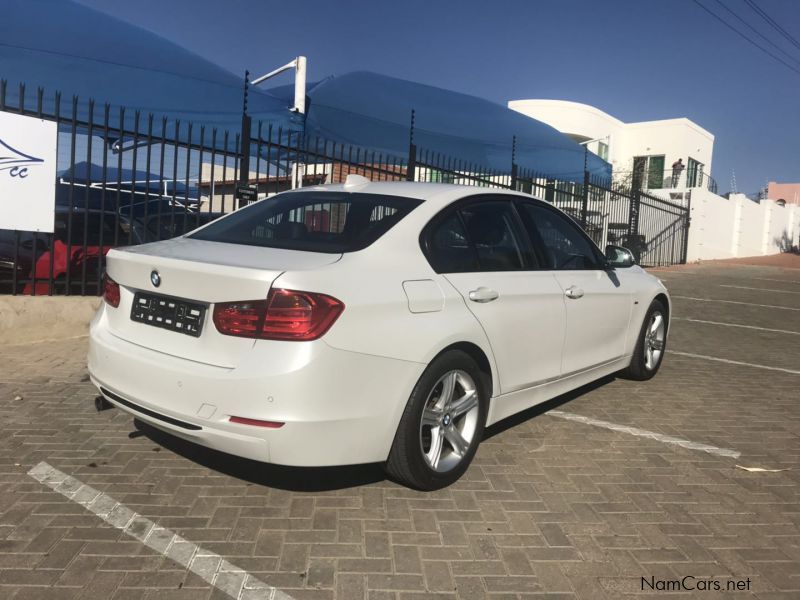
788,192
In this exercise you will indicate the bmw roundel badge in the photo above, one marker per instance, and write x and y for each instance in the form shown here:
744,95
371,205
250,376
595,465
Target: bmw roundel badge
155,278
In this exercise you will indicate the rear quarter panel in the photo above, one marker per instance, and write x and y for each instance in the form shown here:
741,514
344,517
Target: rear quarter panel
377,319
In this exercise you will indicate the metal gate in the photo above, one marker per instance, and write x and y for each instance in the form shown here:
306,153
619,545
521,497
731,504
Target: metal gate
662,230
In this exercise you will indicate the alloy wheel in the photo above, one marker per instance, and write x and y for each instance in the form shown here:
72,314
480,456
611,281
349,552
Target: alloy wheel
654,338
449,420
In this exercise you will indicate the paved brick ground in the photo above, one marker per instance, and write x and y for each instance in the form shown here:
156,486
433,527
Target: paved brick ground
784,260
550,507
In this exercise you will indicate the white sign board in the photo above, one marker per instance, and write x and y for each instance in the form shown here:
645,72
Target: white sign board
28,148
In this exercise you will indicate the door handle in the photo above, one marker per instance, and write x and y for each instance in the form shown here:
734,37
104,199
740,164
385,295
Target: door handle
483,294
573,292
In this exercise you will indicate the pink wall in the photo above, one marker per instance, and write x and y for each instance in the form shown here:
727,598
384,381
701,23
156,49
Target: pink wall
788,191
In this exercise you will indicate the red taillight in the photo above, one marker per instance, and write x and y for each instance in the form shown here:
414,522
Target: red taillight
110,291
284,315
256,422
239,318
299,315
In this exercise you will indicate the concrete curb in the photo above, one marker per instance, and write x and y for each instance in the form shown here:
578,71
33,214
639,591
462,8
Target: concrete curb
26,319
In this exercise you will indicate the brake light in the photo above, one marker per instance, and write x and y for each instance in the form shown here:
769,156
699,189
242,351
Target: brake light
110,291
285,315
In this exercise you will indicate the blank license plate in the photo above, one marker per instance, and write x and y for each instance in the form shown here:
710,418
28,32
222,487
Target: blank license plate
168,313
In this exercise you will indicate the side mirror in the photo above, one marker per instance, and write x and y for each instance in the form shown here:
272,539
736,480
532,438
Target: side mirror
618,257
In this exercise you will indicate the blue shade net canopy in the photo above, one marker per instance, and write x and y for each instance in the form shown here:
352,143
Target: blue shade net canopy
63,46
374,111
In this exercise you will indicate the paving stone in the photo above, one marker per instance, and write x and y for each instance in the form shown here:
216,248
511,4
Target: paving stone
550,508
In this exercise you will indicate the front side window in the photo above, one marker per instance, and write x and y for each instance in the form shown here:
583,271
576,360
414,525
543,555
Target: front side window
563,244
332,222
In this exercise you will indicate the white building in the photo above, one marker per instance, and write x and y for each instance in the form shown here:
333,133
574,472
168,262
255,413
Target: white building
640,153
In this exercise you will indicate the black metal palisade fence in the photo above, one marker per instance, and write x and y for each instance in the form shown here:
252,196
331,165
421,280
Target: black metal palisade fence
127,178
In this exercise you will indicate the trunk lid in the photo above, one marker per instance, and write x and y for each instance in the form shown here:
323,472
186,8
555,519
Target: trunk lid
200,272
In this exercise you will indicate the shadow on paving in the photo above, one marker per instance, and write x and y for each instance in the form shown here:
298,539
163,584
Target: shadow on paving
319,479
542,408
295,479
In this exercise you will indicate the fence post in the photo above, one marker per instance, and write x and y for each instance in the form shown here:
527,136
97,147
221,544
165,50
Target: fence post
514,167
550,190
412,152
244,141
632,242
585,198
687,221
633,213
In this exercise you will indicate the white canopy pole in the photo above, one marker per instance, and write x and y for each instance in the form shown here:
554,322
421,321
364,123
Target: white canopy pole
299,66
300,85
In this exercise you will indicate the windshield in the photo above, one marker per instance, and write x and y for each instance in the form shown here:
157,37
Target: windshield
332,222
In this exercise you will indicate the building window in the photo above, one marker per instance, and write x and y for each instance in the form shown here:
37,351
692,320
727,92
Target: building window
602,150
694,173
437,176
648,172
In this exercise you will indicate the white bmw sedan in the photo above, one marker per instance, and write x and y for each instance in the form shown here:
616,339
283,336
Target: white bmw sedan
369,322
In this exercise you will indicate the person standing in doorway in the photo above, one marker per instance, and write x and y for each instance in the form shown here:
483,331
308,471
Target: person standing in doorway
677,169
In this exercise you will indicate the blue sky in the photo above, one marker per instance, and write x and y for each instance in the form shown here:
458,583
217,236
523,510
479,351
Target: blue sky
636,59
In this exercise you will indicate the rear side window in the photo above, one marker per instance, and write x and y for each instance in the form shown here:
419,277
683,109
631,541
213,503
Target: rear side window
101,227
332,222
449,250
491,231
481,236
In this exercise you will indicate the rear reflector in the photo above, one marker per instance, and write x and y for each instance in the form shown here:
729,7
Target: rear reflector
110,291
256,422
285,315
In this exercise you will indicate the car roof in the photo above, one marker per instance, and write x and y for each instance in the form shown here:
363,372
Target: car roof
435,196
437,192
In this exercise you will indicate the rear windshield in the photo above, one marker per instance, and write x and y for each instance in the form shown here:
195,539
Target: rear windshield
101,227
332,222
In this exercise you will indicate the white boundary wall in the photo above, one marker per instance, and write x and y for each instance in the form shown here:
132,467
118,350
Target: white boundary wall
727,228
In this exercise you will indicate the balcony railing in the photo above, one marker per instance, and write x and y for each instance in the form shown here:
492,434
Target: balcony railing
666,180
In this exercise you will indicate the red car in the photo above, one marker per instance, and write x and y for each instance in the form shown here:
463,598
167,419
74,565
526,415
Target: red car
79,250
74,251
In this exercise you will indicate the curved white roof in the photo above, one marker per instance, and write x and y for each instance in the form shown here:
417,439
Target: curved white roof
573,118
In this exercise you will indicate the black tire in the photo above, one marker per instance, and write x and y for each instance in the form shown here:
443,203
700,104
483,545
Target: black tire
639,369
407,463
59,285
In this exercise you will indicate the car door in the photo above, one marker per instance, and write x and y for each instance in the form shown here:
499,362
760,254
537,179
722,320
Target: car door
597,301
480,247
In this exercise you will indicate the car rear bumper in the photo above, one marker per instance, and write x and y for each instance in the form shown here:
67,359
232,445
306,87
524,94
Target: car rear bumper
338,407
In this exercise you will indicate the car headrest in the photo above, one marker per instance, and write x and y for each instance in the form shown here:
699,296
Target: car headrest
486,229
291,230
